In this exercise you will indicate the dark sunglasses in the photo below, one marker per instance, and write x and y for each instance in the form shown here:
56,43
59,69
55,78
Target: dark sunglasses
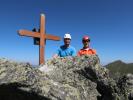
67,39
86,40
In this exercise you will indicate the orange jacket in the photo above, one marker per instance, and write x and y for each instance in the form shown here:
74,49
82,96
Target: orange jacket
86,52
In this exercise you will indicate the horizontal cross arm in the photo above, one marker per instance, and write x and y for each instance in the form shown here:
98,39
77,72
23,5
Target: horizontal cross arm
52,37
29,33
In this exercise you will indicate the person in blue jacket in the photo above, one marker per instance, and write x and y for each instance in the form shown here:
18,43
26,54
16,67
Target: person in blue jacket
66,49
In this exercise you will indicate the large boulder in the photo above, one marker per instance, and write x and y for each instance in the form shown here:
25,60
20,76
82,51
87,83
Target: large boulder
69,78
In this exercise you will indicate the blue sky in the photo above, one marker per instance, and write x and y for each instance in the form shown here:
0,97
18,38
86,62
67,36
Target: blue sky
109,23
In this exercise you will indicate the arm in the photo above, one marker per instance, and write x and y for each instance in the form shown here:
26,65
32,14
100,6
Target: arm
55,56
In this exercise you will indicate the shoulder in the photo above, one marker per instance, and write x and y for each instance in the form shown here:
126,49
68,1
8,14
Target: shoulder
80,51
61,47
93,50
72,48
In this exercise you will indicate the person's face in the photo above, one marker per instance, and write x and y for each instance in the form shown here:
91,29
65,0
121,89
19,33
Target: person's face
86,43
67,41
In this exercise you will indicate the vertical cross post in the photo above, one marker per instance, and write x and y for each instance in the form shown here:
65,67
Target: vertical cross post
42,40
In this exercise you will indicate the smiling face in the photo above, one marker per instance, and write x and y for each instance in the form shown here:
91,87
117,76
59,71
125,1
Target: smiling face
67,41
86,43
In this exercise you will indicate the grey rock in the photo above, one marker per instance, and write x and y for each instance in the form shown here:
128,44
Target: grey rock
69,78
125,83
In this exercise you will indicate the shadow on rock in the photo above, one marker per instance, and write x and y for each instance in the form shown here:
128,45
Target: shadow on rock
12,92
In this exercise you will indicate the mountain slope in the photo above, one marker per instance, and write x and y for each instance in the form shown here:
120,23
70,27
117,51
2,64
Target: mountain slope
119,66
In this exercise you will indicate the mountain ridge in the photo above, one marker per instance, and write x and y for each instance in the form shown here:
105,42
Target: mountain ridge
119,66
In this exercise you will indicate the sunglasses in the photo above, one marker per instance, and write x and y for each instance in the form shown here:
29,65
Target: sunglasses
86,40
67,39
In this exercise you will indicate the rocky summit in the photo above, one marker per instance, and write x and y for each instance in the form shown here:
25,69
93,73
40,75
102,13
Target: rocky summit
68,78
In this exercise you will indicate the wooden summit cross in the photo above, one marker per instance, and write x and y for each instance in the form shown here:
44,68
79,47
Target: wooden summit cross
40,37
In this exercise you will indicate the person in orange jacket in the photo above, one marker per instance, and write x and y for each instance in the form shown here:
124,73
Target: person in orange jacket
86,50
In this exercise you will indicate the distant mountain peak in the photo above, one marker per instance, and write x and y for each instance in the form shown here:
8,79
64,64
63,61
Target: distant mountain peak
120,66
117,62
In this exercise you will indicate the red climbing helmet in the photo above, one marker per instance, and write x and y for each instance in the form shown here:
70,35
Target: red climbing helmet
86,38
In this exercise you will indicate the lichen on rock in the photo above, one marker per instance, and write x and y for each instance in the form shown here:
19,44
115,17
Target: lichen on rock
68,78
